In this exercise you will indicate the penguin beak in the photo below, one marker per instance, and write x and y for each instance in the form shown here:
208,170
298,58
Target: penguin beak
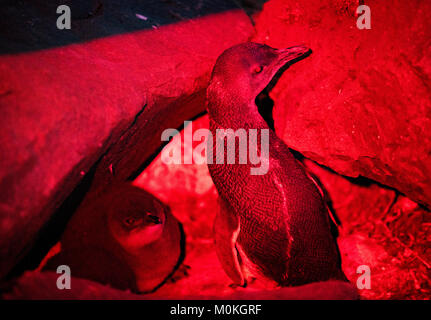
285,58
289,56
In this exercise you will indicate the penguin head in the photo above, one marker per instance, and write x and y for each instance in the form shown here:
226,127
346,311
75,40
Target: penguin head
243,71
246,69
139,221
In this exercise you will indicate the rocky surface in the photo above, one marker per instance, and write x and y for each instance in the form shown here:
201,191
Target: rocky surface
383,230
361,103
42,286
107,87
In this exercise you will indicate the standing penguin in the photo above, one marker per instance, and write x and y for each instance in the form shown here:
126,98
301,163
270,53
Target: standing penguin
274,226
125,238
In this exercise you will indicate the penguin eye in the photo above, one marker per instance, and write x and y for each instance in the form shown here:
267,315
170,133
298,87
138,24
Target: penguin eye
154,219
258,69
131,221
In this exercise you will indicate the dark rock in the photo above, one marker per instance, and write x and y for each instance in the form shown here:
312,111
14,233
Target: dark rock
383,230
361,103
66,106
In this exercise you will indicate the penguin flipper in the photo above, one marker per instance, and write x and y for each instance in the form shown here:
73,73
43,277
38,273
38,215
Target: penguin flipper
333,219
226,230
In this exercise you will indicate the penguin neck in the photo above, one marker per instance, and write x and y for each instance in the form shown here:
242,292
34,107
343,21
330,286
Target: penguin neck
235,114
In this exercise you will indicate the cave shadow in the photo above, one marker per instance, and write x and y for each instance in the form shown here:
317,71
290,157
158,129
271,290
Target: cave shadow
32,25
